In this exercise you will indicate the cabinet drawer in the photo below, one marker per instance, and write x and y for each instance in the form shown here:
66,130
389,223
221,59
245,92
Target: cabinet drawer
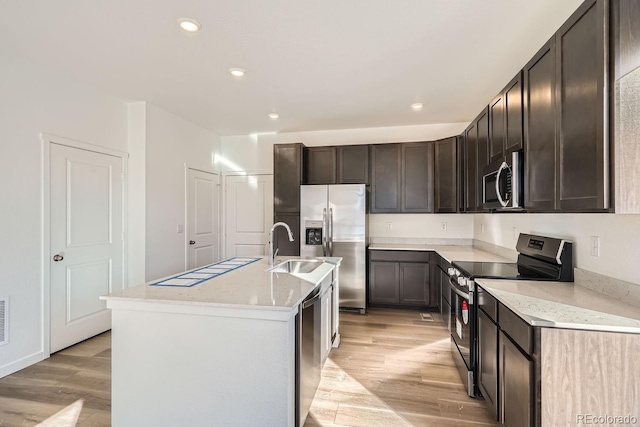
401,256
487,303
517,329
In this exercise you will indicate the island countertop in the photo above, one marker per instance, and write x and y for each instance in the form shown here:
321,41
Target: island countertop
250,286
564,305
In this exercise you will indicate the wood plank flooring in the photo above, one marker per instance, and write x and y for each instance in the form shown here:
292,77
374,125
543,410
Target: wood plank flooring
391,369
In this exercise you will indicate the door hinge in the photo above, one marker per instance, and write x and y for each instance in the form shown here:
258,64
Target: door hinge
122,237
122,176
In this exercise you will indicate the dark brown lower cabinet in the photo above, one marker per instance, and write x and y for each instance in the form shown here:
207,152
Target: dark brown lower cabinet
488,360
516,384
400,278
281,238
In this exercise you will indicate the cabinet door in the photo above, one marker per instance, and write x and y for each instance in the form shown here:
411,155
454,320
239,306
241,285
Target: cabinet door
385,178
461,176
281,237
482,153
353,164
497,131
540,130
516,374
320,165
417,177
287,177
471,167
414,283
488,360
513,115
445,175
581,105
384,282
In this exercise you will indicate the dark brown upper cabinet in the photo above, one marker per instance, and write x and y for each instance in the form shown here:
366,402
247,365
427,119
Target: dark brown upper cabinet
505,120
402,178
539,130
581,106
353,164
320,165
471,167
565,109
477,157
461,176
417,182
385,178
287,177
446,161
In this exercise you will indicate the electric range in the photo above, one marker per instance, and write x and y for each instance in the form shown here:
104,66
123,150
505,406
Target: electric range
539,258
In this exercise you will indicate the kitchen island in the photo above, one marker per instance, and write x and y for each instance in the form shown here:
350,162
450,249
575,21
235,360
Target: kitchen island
206,352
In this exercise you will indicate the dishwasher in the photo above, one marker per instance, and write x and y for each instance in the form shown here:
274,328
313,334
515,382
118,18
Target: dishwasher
308,353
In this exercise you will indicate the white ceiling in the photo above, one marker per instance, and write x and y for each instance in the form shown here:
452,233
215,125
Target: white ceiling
321,64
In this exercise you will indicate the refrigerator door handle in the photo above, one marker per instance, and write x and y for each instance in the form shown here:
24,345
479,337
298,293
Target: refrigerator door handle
330,231
324,232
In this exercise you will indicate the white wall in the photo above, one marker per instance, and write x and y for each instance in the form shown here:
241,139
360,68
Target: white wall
35,99
171,143
619,237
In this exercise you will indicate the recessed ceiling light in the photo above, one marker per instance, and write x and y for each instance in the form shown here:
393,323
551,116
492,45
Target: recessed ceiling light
274,116
417,106
189,25
236,72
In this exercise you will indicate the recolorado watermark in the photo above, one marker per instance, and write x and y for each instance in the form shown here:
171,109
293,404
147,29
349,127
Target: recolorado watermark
591,419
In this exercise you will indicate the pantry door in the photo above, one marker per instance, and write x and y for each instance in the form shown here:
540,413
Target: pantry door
86,241
202,218
248,214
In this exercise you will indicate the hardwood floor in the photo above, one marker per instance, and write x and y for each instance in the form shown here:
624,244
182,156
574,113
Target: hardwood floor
391,369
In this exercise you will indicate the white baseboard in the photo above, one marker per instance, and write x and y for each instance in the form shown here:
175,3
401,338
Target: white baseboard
19,364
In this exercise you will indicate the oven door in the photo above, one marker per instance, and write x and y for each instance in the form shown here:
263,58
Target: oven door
462,321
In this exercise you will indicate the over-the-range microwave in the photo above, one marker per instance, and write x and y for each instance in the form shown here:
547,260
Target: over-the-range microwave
503,182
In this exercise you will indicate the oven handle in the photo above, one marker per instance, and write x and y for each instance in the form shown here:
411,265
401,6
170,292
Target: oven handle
460,293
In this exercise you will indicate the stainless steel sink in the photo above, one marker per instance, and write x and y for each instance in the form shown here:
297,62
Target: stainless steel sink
294,266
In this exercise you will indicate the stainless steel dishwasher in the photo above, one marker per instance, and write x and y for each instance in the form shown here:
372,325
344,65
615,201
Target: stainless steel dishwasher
308,353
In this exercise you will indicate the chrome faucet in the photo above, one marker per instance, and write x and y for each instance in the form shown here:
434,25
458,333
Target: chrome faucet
272,255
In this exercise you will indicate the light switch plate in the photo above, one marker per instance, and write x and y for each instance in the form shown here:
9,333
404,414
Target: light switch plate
180,228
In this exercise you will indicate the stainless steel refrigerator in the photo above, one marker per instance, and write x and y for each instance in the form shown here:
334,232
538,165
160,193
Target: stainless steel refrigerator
333,222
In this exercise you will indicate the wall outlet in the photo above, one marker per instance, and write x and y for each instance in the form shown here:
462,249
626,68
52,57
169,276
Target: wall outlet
515,233
389,225
595,246
180,228
443,226
482,228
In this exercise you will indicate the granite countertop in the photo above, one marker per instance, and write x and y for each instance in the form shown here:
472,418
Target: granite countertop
250,286
449,252
563,305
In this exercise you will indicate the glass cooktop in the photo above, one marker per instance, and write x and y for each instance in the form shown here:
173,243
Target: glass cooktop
490,270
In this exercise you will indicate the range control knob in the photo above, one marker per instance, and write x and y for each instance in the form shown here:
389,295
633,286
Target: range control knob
451,271
462,281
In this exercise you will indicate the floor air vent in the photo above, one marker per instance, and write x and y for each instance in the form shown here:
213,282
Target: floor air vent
4,320
426,317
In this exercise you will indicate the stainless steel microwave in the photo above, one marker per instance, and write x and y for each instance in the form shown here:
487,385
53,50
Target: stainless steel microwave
503,182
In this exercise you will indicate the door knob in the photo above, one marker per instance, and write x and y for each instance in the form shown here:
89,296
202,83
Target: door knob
57,258
192,242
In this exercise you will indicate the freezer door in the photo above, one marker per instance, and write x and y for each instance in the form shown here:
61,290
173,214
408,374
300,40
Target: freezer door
313,207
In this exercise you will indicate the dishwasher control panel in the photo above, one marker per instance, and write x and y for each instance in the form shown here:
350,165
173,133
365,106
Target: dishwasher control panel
313,233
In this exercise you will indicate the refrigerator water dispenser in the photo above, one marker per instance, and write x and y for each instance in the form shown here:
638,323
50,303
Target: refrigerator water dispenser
313,233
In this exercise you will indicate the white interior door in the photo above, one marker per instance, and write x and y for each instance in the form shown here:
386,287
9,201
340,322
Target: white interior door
248,214
202,218
86,241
